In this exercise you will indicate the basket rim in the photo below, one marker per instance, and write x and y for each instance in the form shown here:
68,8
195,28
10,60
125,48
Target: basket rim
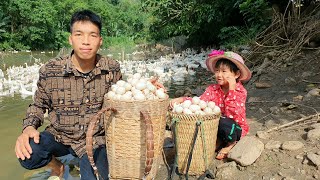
148,100
195,115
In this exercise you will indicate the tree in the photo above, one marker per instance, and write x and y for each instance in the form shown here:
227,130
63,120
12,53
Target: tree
4,23
199,20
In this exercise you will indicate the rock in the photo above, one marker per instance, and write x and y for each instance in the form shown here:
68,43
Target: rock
261,111
275,110
261,85
313,135
306,74
314,92
315,126
314,158
253,99
273,144
228,164
291,106
290,80
299,157
245,51
270,123
263,135
297,98
227,171
292,145
246,151
305,161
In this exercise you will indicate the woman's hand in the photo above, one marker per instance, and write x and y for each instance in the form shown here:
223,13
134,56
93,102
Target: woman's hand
175,101
158,85
232,82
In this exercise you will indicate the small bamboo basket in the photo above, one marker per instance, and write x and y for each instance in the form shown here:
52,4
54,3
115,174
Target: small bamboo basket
134,137
202,152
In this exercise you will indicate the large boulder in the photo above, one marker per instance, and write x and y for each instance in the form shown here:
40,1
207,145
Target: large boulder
246,151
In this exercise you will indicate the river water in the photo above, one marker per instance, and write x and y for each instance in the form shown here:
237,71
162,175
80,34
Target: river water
12,111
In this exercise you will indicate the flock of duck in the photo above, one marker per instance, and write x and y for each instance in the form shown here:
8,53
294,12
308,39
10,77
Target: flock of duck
171,69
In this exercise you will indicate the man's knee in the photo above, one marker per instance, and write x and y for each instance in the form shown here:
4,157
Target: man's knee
39,157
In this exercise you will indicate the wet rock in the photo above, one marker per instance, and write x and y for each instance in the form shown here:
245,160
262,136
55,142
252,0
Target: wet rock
246,151
313,134
273,144
292,145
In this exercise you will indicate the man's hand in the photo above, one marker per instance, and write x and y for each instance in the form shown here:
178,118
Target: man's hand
23,148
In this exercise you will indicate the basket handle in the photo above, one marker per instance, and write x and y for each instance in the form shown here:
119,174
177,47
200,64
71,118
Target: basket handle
149,141
89,137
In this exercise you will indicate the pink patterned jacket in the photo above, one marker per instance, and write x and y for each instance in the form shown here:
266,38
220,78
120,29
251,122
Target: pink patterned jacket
232,104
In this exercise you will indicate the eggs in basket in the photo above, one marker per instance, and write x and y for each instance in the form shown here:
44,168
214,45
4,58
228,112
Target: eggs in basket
135,88
196,106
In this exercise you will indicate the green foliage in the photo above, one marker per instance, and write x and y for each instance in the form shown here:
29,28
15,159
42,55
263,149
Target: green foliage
234,35
201,22
4,23
254,12
121,42
206,22
44,24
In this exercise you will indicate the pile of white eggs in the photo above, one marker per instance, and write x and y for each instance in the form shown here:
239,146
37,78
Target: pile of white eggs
196,106
135,88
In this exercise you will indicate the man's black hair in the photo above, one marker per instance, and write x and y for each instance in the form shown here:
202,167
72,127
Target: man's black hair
228,63
86,15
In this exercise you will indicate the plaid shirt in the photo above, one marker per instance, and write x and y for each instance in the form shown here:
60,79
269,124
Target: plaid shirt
72,100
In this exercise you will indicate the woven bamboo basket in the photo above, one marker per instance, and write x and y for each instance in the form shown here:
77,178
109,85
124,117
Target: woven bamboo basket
203,151
134,137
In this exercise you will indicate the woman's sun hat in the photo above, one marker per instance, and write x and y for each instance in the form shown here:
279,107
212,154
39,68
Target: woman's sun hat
215,55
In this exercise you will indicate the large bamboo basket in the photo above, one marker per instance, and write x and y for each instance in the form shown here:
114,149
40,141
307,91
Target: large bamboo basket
203,151
134,137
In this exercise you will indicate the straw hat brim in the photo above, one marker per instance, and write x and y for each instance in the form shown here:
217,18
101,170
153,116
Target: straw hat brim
245,73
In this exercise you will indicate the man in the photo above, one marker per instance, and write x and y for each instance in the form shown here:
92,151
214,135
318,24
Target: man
71,89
